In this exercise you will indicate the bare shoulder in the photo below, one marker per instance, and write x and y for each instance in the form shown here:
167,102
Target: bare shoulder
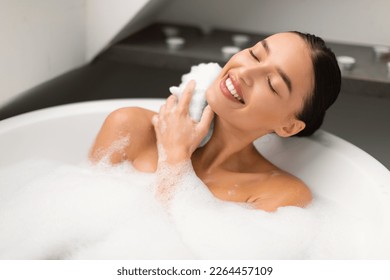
132,117
280,189
133,123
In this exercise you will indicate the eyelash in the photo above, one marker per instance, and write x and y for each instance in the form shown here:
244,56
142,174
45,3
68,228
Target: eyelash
268,79
270,85
253,55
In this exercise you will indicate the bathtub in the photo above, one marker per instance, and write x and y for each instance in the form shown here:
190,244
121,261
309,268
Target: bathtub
332,167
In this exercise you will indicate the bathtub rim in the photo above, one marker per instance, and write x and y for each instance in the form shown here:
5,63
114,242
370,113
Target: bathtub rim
327,139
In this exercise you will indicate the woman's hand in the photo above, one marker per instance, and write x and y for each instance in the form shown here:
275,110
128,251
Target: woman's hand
178,135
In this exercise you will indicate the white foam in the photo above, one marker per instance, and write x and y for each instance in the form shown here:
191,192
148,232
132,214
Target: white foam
118,146
101,212
203,74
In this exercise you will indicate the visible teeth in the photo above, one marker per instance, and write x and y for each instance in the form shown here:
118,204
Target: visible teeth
230,86
232,90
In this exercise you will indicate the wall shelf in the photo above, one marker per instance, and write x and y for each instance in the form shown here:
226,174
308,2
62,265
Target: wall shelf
147,47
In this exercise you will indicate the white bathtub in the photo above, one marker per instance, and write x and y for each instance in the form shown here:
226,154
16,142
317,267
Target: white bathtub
331,166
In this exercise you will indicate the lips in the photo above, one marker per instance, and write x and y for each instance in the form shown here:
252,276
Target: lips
231,89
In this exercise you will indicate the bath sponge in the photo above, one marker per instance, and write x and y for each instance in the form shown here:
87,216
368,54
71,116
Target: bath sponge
203,74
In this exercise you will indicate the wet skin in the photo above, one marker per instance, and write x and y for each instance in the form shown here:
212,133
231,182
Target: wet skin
272,80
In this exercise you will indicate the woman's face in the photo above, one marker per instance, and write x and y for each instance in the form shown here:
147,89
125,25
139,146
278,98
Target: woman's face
262,88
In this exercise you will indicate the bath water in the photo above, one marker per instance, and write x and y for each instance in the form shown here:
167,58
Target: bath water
53,210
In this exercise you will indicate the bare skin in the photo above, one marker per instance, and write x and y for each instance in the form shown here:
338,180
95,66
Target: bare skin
229,165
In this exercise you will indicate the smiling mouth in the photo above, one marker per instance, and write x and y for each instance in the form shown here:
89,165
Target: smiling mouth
233,91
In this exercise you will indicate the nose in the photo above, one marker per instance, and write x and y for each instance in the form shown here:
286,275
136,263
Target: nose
249,73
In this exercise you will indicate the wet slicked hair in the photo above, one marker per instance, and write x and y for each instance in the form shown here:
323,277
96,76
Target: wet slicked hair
327,83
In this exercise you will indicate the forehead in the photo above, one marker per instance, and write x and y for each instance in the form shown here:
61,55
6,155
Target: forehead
291,53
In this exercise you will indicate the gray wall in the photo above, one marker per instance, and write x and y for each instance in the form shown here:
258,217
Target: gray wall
354,21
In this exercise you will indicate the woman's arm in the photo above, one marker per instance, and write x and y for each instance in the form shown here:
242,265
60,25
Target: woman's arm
124,133
178,136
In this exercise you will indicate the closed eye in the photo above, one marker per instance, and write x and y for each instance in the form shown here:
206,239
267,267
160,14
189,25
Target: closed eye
253,55
270,86
268,79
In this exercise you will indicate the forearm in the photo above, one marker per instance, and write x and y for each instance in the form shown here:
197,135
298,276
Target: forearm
179,182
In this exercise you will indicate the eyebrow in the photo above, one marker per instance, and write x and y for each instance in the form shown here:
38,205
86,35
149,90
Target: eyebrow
265,46
282,74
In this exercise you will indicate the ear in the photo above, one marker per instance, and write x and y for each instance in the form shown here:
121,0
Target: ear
291,128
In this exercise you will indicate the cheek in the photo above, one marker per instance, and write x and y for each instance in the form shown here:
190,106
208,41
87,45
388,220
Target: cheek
269,110
214,99
211,94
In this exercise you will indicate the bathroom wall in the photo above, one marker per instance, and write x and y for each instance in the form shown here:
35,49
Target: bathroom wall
39,40
105,19
353,21
43,39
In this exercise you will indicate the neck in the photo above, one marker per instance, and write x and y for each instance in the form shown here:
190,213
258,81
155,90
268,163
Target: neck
228,147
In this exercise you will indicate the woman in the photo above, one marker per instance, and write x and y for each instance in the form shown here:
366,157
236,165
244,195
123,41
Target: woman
283,85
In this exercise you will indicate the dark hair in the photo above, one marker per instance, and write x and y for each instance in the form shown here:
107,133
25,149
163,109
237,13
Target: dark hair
327,83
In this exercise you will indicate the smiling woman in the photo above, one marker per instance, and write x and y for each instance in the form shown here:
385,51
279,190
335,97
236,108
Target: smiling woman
283,85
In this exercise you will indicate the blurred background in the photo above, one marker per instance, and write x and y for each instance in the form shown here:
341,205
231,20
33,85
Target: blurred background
55,52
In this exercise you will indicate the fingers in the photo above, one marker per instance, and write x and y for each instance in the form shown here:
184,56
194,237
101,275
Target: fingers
168,107
205,121
171,103
185,100
162,110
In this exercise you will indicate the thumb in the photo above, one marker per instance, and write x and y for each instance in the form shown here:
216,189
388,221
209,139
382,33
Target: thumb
205,121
